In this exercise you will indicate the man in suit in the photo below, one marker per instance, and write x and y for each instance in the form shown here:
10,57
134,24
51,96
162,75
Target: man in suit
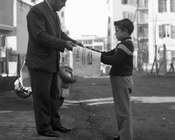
46,40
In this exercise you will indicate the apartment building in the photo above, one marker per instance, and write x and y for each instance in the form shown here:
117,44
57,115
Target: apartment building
154,22
161,29
13,31
117,10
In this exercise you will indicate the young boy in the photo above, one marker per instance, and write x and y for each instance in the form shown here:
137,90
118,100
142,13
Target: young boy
121,60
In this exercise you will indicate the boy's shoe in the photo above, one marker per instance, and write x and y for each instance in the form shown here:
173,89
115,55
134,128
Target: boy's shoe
116,138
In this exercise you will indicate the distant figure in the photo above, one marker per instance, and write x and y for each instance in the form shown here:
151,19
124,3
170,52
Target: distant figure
171,67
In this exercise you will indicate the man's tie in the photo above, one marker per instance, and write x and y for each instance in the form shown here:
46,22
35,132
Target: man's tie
56,18
57,21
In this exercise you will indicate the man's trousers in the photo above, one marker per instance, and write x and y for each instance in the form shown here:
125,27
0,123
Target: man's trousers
46,99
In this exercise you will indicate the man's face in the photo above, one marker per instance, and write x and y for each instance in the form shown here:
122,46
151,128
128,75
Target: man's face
59,4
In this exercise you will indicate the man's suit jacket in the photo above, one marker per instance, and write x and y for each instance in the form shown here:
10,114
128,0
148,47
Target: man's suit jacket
46,39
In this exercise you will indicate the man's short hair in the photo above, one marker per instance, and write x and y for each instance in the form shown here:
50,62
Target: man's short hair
125,24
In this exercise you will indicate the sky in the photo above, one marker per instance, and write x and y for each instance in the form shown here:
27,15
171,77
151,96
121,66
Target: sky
86,17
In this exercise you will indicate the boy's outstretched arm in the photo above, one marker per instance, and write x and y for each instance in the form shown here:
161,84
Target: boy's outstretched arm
114,59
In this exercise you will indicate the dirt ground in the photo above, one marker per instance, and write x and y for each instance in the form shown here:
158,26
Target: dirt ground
151,121
89,109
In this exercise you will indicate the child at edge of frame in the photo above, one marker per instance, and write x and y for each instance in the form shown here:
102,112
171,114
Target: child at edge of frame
121,60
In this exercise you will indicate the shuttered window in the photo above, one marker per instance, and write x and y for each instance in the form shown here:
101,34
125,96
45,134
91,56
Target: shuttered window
162,6
124,1
164,30
161,31
172,5
173,31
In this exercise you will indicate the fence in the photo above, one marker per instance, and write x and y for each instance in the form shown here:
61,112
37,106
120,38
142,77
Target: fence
10,64
165,62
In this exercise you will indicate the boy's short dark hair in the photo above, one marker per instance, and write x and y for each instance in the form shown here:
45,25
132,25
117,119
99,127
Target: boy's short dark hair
125,24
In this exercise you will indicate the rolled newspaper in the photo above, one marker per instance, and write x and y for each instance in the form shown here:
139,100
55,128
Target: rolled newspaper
86,62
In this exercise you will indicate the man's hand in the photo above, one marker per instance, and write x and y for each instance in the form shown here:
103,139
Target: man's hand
79,44
70,45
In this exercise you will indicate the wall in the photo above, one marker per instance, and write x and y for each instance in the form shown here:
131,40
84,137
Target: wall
155,19
22,34
6,14
117,11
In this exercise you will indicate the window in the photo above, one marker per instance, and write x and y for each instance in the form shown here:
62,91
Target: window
132,2
143,3
98,47
2,41
128,15
109,26
87,41
164,30
173,31
144,51
162,6
161,31
143,30
172,5
62,14
124,1
142,16
173,55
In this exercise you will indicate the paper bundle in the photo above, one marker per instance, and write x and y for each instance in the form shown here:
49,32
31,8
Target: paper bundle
86,62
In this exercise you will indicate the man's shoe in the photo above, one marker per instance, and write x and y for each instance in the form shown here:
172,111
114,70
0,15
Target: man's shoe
61,129
116,138
49,133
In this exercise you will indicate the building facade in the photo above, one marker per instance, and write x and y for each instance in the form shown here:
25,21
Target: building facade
154,22
117,10
161,29
13,32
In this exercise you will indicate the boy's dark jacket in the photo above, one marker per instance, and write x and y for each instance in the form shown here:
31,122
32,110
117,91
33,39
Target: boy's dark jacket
121,59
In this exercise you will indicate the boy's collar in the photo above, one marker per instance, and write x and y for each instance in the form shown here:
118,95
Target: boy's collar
125,38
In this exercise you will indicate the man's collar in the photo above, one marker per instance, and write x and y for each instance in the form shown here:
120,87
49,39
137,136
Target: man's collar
49,6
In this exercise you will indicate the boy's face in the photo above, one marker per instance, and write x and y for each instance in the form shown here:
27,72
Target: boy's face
120,34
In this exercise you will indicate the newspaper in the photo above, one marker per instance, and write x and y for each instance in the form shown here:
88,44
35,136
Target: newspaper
86,62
